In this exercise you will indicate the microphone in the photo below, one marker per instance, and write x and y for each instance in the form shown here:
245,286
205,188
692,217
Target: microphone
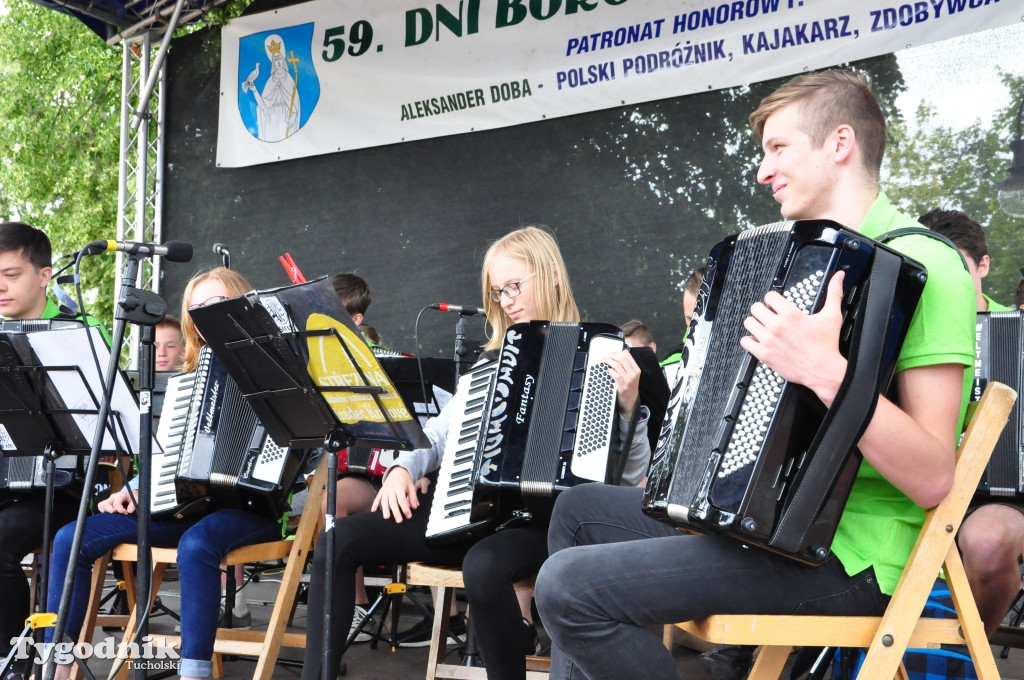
173,251
220,249
464,310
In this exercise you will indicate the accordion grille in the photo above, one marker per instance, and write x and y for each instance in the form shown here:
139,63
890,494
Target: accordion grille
1005,474
751,273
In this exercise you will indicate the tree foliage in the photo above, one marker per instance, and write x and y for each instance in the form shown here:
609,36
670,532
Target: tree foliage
60,131
688,159
695,156
929,165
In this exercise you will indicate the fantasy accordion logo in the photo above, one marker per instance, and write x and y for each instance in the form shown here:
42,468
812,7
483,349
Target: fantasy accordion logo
277,83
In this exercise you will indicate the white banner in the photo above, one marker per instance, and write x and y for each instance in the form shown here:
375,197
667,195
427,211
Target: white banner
327,76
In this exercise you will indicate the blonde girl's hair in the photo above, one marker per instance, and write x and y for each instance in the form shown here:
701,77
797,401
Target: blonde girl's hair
235,284
537,248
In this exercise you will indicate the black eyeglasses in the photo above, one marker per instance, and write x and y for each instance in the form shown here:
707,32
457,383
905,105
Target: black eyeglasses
209,301
510,291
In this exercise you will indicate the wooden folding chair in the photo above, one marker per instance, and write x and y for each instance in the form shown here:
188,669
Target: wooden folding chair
264,645
887,637
446,580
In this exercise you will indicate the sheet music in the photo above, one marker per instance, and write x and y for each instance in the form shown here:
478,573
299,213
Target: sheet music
307,383
330,366
70,347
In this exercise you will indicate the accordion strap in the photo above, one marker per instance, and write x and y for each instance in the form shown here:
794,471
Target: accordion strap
851,410
923,231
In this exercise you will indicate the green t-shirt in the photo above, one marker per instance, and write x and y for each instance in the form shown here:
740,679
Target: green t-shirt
994,306
52,311
880,524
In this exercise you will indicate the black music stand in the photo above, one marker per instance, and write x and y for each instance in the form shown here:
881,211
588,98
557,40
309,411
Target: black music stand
160,379
415,378
302,364
36,421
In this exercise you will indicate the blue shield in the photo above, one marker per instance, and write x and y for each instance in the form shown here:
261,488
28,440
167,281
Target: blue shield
277,83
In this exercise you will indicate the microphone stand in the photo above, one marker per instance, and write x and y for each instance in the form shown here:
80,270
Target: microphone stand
146,309
147,380
460,345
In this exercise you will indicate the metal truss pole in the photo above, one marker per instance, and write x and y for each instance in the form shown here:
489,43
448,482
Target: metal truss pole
140,180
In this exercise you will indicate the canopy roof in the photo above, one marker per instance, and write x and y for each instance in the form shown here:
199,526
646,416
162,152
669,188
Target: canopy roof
117,20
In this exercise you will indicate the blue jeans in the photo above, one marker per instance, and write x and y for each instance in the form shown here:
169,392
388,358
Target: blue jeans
201,546
613,571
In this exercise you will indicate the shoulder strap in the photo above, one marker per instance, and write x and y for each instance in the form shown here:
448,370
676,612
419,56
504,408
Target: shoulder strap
921,231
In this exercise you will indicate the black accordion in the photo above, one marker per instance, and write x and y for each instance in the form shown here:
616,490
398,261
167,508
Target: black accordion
216,452
21,474
538,420
1000,357
747,454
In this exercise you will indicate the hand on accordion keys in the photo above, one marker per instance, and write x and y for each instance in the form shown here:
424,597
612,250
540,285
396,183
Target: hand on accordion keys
802,348
626,374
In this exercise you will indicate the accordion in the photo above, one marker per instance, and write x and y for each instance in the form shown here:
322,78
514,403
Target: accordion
20,409
747,454
33,325
540,419
216,452
20,474
1000,357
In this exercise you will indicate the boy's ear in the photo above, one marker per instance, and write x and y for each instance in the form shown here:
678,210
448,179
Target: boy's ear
844,140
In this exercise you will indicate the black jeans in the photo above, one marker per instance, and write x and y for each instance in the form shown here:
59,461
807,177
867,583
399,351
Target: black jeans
490,571
21,532
491,567
613,571
364,538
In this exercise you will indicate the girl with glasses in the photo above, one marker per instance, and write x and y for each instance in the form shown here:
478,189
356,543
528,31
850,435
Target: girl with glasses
523,278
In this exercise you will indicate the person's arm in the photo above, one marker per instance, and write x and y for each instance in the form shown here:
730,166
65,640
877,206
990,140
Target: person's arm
626,373
421,462
399,493
911,445
638,456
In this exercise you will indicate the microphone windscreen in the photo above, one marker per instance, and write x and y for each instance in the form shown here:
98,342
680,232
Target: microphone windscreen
178,251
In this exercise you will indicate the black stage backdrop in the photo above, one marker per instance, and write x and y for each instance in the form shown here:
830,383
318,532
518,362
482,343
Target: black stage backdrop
636,197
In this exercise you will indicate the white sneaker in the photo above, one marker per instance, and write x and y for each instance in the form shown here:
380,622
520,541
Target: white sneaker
357,617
